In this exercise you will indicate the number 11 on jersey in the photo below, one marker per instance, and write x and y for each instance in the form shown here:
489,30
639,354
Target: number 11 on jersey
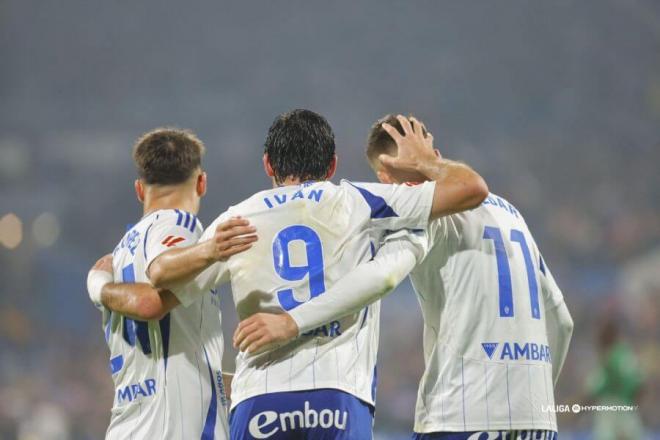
504,271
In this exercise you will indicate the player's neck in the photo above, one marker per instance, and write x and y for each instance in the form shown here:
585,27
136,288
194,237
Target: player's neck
289,181
154,201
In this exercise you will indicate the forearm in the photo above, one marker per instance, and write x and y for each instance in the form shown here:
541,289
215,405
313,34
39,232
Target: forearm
366,284
180,265
458,187
137,300
560,329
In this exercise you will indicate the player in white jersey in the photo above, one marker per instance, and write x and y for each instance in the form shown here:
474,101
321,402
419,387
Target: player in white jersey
311,233
165,360
496,328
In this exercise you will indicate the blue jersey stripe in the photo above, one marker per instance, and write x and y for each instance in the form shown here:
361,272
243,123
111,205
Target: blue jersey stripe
541,264
142,333
187,222
164,325
378,205
211,415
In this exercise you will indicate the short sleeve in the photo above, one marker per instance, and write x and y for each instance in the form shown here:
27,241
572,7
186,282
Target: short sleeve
417,239
170,230
551,291
405,206
207,280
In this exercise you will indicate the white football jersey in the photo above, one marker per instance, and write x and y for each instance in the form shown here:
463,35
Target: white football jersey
482,289
167,374
310,235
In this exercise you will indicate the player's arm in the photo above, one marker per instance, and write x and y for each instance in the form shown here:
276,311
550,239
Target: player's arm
457,186
558,321
180,265
135,300
367,283
145,302
138,301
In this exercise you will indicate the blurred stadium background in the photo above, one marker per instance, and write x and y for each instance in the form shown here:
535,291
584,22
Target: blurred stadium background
556,103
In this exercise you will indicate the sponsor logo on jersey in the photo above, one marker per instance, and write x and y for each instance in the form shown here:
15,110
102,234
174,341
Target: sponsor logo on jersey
331,330
514,351
268,423
172,240
489,348
221,386
134,391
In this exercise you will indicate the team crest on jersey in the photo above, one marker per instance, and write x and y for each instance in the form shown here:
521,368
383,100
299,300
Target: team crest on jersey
172,240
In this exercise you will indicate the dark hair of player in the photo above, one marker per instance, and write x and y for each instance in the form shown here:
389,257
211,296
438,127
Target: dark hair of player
167,156
379,141
300,144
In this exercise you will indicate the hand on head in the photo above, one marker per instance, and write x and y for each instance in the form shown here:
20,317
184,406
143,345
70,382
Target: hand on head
414,146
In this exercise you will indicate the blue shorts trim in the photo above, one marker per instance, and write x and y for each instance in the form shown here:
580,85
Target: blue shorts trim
317,414
533,434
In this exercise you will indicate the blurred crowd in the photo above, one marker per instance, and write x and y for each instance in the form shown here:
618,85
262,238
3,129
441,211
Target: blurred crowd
556,104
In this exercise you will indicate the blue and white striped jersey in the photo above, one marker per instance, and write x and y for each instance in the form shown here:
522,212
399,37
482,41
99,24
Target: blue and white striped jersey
167,373
310,235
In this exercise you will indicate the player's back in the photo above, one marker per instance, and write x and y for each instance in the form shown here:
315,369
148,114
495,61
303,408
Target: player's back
166,373
488,364
310,235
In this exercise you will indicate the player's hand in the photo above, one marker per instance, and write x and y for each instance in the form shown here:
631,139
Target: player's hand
415,148
104,263
231,237
263,330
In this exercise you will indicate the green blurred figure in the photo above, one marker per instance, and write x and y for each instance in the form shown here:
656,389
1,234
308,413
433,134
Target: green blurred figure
616,381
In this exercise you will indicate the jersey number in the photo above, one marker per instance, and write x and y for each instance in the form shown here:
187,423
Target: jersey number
313,270
504,271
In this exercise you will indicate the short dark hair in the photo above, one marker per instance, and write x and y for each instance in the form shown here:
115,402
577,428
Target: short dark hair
300,144
167,156
379,141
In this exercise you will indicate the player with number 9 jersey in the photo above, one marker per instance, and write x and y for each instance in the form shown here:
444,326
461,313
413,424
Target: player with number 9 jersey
309,236
311,233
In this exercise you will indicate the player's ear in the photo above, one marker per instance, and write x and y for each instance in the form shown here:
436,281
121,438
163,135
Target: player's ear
332,169
267,168
139,190
384,177
201,184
